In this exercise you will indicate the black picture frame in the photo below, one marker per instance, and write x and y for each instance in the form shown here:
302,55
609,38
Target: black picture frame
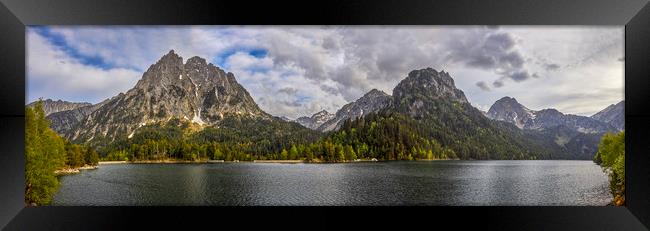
634,14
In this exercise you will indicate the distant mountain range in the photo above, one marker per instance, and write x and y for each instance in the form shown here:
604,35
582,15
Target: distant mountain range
428,101
613,115
371,102
51,106
577,135
509,110
316,120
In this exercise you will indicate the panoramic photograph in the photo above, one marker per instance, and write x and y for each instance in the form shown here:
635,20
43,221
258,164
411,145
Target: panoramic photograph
325,116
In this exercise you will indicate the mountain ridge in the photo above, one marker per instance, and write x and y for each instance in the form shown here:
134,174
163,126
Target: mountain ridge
194,91
613,115
51,106
508,109
372,101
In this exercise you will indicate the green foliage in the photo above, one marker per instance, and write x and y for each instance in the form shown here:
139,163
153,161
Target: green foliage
284,155
611,157
44,153
382,136
293,153
231,139
463,129
439,130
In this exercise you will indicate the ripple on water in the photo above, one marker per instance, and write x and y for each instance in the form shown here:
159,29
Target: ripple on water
378,183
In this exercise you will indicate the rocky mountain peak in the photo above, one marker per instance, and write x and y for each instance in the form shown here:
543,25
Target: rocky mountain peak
370,102
430,84
194,91
509,110
196,61
374,93
170,58
506,100
316,120
614,115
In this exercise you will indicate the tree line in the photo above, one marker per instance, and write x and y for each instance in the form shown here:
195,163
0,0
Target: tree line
374,136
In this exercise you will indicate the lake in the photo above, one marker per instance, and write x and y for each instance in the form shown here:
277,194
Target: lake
528,182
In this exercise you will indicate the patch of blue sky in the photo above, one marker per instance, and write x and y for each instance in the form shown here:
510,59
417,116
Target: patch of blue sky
258,53
60,42
221,58
303,99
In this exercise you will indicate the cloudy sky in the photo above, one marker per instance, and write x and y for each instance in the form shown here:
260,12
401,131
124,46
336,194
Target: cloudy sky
294,71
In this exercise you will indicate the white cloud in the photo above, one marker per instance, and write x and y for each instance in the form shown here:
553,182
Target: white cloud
51,73
574,69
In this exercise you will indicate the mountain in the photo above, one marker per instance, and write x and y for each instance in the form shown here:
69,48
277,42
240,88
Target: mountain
423,87
509,110
613,115
63,121
316,120
428,84
575,136
193,110
372,101
51,106
284,118
428,116
194,91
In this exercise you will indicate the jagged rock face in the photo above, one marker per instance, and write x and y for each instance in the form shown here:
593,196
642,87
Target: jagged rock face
194,91
372,101
418,93
51,106
578,136
428,84
420,87
509,110
316,120
550,117
613,115
64,121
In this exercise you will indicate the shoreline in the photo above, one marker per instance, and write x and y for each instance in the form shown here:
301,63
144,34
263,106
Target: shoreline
68,171
259,162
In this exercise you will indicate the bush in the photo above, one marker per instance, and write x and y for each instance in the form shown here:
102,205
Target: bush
611,157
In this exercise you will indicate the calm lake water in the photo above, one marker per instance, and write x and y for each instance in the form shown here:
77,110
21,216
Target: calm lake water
367,183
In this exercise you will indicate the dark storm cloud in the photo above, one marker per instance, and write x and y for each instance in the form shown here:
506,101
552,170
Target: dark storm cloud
487,52
490,49
519,76
497,83
483,86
